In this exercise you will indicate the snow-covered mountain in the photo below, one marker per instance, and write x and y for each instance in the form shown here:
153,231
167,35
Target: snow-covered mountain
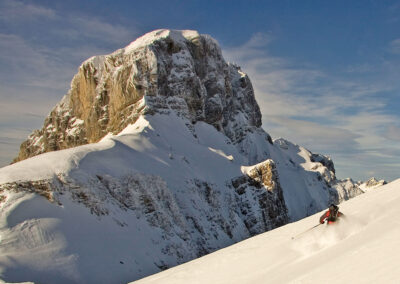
363,248
161,72
155,157
371,184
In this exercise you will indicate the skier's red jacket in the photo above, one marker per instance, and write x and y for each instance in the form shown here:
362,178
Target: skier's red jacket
330,216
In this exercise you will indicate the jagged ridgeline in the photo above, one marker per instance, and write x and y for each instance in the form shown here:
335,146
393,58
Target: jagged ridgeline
163,70
154,157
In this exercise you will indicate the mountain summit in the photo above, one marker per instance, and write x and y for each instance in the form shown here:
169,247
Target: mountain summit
161,71
154,157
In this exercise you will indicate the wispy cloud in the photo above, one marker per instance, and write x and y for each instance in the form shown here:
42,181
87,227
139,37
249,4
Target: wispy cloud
40,51
97,29
394,46
343,116
330,139
63,24
12,10
393,133
29,65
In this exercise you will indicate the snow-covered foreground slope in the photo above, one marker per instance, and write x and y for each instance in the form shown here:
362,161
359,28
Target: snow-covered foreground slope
156,195
363,248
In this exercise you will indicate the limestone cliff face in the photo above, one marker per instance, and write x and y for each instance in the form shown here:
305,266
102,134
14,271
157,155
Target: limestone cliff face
163,70
261,183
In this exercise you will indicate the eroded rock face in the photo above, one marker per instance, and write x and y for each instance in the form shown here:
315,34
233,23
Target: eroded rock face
324,160
345,189
261,183
200,220
265,173
161,71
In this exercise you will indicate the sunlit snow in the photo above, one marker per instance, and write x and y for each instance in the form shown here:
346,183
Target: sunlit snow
363,248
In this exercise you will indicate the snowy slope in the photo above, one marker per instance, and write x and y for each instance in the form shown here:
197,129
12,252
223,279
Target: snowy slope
154,196
363,248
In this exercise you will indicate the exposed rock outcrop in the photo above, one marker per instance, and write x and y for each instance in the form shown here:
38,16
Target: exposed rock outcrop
216,218
261,182
345,189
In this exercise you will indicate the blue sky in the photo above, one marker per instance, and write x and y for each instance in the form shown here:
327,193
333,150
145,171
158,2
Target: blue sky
326,73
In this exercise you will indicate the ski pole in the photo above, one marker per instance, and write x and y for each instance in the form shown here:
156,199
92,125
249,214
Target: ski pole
306,231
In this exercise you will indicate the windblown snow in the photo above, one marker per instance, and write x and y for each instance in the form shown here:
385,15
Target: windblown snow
363,248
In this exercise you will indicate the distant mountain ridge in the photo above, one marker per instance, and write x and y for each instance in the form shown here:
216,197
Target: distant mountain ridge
371,184
160,141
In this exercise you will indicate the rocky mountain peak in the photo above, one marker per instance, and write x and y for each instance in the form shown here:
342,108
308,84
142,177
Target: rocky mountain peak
371,184
374,182
160,72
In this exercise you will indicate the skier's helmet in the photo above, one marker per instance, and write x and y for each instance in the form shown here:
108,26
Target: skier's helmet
333,207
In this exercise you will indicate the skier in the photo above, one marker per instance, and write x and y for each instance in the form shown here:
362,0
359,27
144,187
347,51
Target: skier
331,215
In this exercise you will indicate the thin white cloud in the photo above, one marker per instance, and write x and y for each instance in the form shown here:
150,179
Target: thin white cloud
393,133
100,30
360,68
394,46
13,10
393,13
63,26
16,124
24,65
66,40
304,90
36,67
312,135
